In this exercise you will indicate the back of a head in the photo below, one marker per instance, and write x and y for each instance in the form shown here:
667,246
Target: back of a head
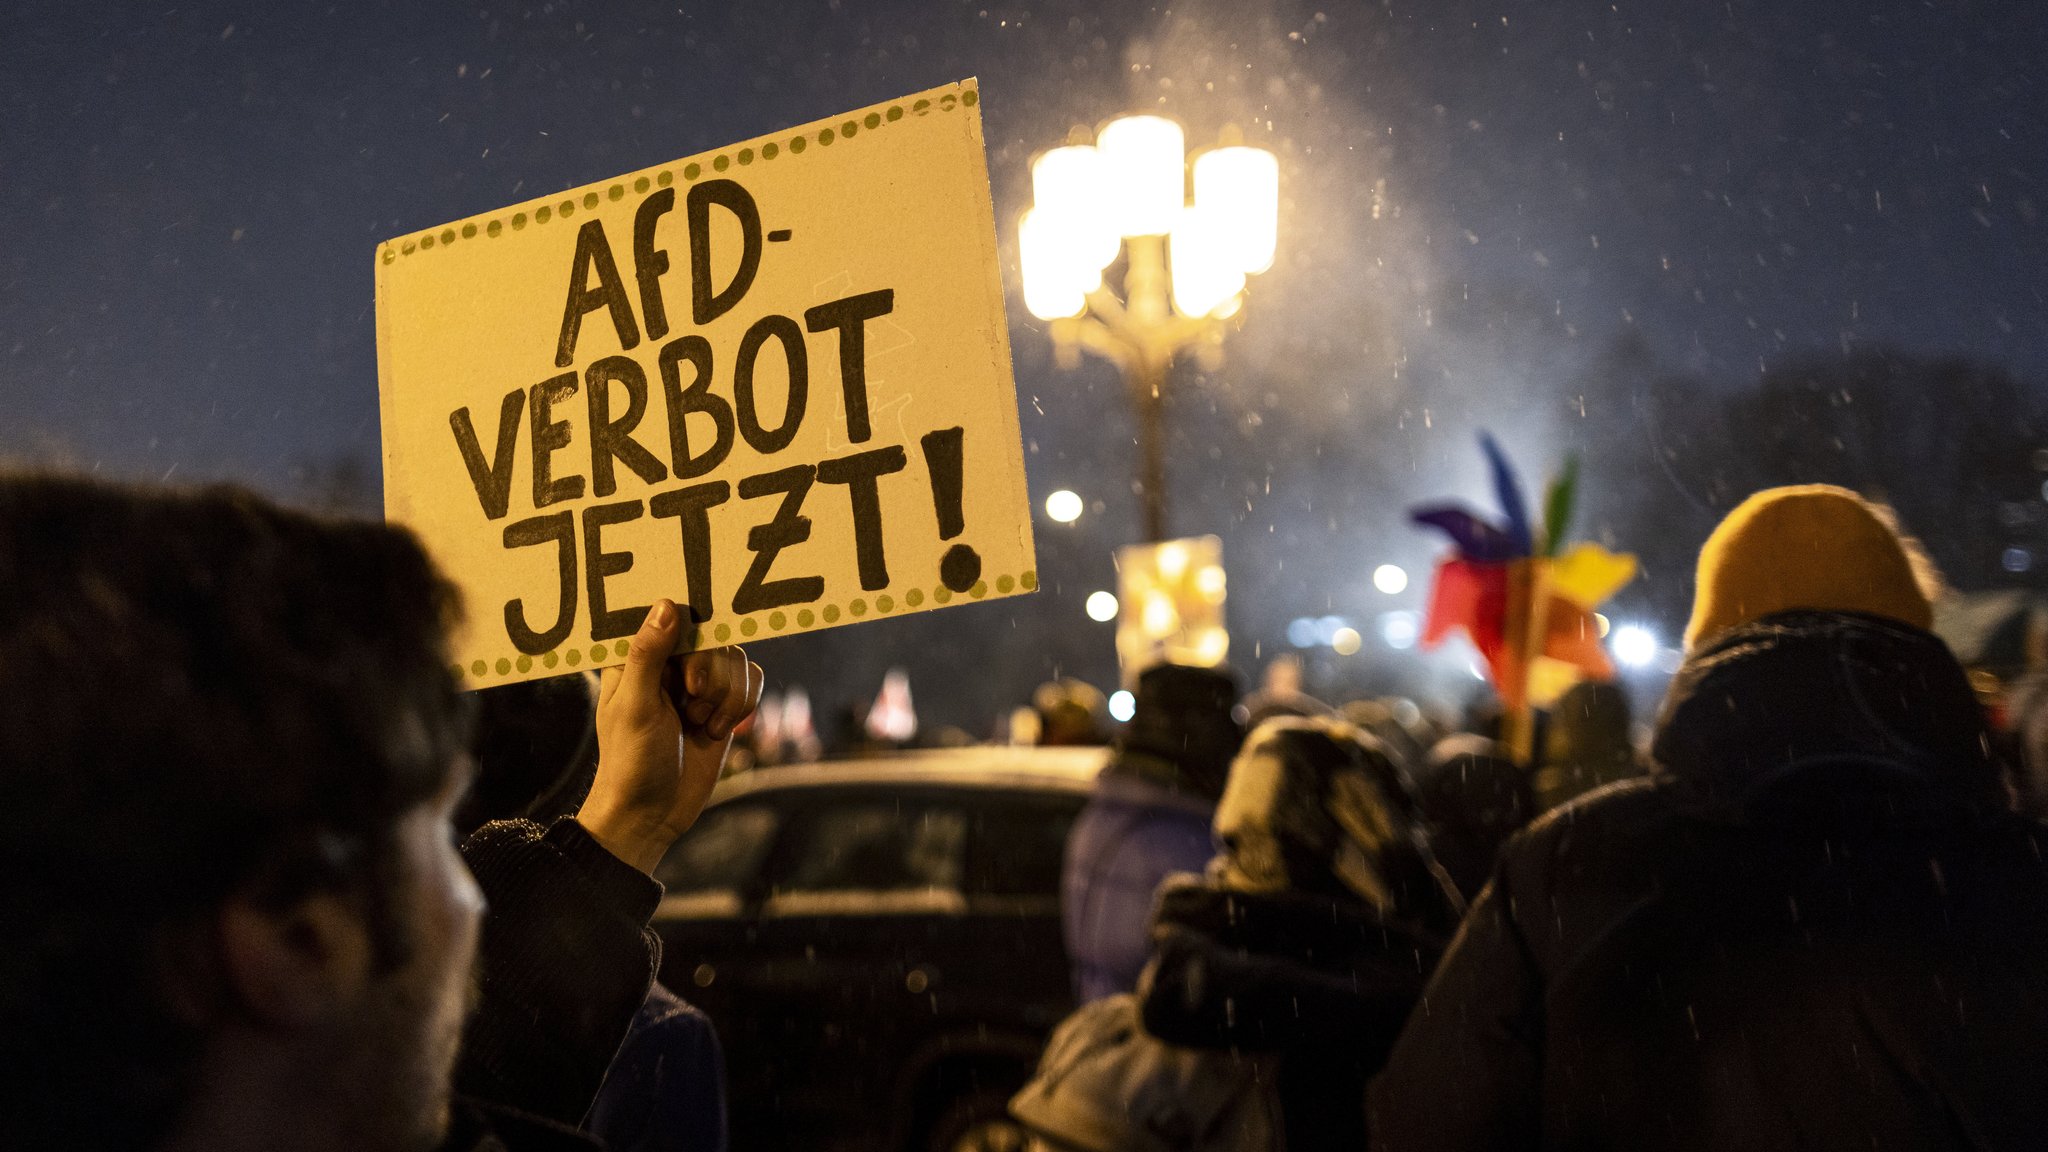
1183,718
1385,719
1813,547
1587,742
1265,705
207,695
1316,805
1471,785
1182,728
535,749
1070,713
1474,797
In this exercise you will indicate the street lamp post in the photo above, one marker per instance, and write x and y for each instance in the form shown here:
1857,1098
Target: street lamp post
1185,263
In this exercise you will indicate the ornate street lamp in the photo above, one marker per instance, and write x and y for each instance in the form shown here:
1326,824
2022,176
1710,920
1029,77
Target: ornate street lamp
1185,267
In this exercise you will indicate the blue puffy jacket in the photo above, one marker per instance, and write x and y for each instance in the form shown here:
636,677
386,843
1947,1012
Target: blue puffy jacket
1131,836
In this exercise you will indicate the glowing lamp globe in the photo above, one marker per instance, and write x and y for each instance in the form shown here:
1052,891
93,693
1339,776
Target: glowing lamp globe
1067,187
1056,285
1206,276
1144,162
1242,185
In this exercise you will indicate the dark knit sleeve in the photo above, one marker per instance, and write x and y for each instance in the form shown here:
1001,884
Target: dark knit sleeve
566,960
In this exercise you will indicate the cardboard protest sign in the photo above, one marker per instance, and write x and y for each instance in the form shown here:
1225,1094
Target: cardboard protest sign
771,382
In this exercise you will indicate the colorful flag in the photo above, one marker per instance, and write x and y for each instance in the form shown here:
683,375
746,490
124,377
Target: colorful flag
1498,574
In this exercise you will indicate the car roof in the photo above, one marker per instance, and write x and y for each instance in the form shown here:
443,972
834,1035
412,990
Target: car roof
1064,770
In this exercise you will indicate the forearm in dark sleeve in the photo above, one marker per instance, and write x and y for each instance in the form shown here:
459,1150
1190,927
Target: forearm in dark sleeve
566,960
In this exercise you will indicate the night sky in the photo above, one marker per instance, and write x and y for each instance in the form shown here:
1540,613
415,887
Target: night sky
1480,201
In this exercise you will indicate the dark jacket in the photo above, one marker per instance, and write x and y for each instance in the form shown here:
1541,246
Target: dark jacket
1134,833
565,961
1255,1026
1474,797
666,1091
2025,743
1322,982
1149,818
1815,926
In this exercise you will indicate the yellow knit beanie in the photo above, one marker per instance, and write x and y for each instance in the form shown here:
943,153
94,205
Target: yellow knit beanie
1813,546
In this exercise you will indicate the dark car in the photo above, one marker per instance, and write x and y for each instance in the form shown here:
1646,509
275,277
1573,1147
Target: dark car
878,942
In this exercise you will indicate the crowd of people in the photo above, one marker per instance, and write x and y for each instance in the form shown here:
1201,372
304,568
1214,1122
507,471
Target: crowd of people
1808,915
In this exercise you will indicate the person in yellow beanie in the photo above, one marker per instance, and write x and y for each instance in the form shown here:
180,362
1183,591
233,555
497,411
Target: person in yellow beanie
1814,547
1817,923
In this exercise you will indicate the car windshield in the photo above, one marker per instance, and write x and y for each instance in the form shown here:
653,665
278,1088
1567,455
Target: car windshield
879,845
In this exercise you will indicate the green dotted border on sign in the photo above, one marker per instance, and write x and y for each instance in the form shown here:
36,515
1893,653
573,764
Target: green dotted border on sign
747,155
572,656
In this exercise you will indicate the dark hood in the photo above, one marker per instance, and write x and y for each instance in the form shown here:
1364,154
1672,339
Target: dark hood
1831,719
1259,971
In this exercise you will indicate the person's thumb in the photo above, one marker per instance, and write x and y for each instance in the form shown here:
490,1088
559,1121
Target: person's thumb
652,645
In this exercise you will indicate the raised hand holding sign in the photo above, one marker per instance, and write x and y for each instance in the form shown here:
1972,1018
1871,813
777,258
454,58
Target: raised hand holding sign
664,724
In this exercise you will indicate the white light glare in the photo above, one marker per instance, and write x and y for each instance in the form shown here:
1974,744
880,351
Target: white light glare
1206,276
1634,645
1390,578
1063,506
1345,641
1400,630
1056,281
1244,185
1173,560
1067,189
1144,172
1102,607
1158,617
1122,706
